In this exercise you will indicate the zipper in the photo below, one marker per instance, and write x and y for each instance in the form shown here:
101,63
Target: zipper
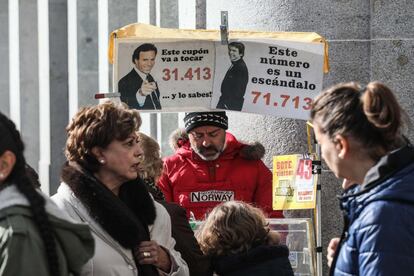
344,237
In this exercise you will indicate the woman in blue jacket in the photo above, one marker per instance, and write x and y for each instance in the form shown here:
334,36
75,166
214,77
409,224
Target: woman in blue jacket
360,133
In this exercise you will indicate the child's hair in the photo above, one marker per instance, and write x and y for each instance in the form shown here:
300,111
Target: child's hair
232,227
10,140
370,114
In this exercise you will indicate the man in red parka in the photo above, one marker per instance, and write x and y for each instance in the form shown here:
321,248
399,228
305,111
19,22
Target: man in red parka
211,166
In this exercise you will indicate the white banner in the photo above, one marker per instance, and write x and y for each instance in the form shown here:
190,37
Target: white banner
283,77
271,77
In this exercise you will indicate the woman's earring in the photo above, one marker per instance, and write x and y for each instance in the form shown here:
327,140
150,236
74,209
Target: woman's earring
1,175
102,161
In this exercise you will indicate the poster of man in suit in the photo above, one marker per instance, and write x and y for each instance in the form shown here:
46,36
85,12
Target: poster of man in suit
138,88
164,75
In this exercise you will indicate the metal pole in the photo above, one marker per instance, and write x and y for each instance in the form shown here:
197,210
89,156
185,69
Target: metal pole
318,218
224,28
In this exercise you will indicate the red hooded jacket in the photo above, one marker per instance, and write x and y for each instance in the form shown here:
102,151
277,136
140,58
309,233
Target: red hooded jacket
198,185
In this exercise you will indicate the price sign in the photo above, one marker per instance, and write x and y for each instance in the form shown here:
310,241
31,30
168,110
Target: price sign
304,181
293,182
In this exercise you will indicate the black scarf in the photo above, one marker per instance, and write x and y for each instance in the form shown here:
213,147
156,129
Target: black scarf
124,218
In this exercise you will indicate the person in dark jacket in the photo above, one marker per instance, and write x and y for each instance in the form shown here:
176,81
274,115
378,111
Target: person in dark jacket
36,238
236,236
150,169
235,81
360,133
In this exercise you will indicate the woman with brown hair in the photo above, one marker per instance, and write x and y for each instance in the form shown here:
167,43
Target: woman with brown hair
132,232
36,238
236,236
360,131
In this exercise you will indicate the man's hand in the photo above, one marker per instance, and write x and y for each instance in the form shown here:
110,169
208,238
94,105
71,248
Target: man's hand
333,245
147,88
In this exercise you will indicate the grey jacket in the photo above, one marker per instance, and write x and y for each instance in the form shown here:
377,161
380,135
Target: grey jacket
111,259
22,251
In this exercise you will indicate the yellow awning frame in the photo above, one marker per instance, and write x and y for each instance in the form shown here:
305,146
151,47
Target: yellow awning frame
145,31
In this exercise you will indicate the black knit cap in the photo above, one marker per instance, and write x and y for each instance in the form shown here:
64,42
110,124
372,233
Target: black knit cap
197,119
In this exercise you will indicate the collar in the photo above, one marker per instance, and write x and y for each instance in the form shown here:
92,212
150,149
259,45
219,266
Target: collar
11,196
388,165
237,262
237,61
385,168
141,74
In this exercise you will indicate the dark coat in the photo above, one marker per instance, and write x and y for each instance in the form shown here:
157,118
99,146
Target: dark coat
378,236
186,243
234,86
128,87
263,260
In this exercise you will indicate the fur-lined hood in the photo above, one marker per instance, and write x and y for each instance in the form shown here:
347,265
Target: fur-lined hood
74,242
11,196
180,143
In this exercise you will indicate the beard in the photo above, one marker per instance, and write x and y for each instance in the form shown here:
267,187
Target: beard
208,153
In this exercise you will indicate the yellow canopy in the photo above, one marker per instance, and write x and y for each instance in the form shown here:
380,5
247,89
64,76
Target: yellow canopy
144,31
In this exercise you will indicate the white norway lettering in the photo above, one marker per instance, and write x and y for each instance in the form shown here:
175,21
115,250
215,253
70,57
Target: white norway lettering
211,196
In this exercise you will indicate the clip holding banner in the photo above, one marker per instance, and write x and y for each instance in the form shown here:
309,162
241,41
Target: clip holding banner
316,166
224,28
